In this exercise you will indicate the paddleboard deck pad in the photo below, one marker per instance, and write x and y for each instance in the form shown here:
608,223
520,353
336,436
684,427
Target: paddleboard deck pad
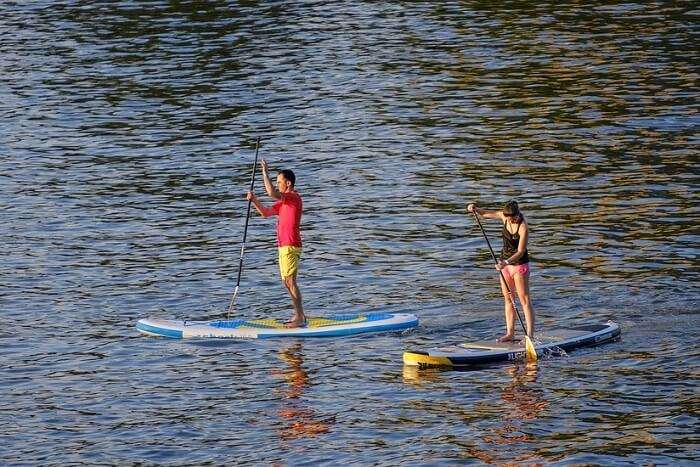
323,326
485,352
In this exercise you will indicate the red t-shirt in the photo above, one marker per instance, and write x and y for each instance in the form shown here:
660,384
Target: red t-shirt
289,211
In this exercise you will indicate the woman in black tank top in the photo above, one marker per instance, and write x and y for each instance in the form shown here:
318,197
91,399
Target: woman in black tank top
514,263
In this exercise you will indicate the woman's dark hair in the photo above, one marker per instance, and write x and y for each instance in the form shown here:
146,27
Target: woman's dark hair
288,175
511,209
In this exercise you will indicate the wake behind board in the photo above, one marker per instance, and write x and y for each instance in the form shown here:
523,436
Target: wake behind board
483,352
321,326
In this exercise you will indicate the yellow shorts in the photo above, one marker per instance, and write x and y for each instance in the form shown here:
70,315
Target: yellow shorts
289,257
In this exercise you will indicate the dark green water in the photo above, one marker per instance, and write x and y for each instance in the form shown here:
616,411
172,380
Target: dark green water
125,151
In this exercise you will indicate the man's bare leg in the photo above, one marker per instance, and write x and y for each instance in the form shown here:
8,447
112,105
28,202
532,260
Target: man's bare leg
299,318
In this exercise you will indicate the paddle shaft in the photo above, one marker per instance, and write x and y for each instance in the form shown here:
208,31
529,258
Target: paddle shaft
245,229
493,255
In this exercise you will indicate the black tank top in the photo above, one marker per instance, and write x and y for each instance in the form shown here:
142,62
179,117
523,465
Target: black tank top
510,245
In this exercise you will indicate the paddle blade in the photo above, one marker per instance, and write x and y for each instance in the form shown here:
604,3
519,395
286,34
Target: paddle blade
530,352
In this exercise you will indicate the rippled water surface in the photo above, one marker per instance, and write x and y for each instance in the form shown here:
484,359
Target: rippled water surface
127,140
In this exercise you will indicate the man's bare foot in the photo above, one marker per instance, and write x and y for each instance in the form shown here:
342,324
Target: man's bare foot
295,323
506,338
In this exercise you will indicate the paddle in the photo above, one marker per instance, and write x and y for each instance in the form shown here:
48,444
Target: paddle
245,232
530,352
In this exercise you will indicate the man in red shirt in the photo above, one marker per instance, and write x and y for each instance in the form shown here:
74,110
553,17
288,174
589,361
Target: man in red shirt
288,207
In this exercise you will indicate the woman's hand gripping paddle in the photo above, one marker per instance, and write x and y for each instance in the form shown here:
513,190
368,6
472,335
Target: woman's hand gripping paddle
245,232
530,352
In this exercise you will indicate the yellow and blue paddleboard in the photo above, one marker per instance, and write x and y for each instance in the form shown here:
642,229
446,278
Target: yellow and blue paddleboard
321,326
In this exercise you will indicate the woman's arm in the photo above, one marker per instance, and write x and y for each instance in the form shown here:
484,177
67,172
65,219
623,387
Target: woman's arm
471,207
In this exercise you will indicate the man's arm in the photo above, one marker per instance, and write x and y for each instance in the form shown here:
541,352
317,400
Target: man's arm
264,211
272,192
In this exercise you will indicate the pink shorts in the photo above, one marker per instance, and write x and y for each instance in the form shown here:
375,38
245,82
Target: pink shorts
512,269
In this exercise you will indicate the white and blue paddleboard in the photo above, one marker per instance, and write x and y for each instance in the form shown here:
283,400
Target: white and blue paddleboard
321,326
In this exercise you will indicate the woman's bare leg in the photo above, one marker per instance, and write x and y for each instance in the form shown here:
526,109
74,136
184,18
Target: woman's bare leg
522,285
508,309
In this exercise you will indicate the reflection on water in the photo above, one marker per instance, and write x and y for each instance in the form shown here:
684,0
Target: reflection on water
522,396
299,419
504,422
521,403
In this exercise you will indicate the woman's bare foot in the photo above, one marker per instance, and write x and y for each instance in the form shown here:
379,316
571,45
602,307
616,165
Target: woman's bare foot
506,338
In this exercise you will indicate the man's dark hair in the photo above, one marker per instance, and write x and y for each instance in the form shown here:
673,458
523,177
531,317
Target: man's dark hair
289,175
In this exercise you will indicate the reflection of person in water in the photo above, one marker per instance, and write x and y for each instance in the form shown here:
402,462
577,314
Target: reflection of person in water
521,401
523,394
296,376
303,421
524,403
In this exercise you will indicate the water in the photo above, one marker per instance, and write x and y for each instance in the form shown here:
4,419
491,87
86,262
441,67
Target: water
126,145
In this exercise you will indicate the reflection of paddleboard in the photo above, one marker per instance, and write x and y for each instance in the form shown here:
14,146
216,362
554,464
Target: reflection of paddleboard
321,326
480,352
